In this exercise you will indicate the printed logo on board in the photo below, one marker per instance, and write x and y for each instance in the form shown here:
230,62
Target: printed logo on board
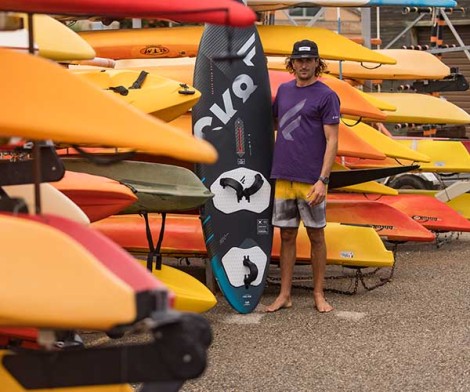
154,51
242,88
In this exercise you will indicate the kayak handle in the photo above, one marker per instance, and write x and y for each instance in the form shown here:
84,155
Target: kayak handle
251,277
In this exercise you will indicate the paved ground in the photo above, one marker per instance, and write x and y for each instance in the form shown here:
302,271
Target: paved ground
413,334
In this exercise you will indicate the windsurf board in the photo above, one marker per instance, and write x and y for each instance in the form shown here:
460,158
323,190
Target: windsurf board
234,115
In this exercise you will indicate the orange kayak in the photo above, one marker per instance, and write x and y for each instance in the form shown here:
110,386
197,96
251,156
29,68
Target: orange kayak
349,143
390,223
99,197
184,237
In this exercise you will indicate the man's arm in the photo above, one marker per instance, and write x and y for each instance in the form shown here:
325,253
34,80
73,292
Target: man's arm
318,192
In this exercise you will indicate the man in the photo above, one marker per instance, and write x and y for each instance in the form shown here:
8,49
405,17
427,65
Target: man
307,113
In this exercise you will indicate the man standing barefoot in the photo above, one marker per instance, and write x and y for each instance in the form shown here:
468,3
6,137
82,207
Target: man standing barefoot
307,114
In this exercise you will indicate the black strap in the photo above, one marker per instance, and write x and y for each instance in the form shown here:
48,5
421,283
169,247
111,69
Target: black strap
255,187
251,277
234,184
154,252
104,160
121,90
139,81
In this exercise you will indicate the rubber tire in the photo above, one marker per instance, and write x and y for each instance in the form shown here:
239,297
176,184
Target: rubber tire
408,182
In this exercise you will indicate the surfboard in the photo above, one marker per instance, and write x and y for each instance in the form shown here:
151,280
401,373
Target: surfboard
211,11
272,5
353,104
97,196
190,294
39,100
234,115
410,109
53,39
52,201
161,97
410,65
158,187
184,41
430,212
66,268
346,245
391,224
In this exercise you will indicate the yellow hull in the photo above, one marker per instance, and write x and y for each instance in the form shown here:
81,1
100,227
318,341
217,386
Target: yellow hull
53,39
422,109
41,100
446,156
161,97
190,294
410,64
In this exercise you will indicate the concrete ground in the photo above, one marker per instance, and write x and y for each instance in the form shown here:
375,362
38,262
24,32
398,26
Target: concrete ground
412,334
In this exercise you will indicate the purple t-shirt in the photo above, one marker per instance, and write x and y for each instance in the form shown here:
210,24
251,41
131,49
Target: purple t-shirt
300,144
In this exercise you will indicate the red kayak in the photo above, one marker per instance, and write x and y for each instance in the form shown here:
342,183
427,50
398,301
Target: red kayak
430,212
98,197
223,12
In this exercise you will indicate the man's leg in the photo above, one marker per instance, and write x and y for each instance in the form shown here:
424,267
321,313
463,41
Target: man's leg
318,260
287,261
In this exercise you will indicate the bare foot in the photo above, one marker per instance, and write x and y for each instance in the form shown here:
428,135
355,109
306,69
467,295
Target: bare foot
320,303
279,303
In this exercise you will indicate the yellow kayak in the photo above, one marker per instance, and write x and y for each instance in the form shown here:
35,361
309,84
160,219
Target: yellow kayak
53,39
41,100
66,268
422,109
446,156
161,97
190,294
390,147
410,64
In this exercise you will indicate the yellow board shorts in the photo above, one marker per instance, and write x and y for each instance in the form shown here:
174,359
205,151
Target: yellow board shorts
291,205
